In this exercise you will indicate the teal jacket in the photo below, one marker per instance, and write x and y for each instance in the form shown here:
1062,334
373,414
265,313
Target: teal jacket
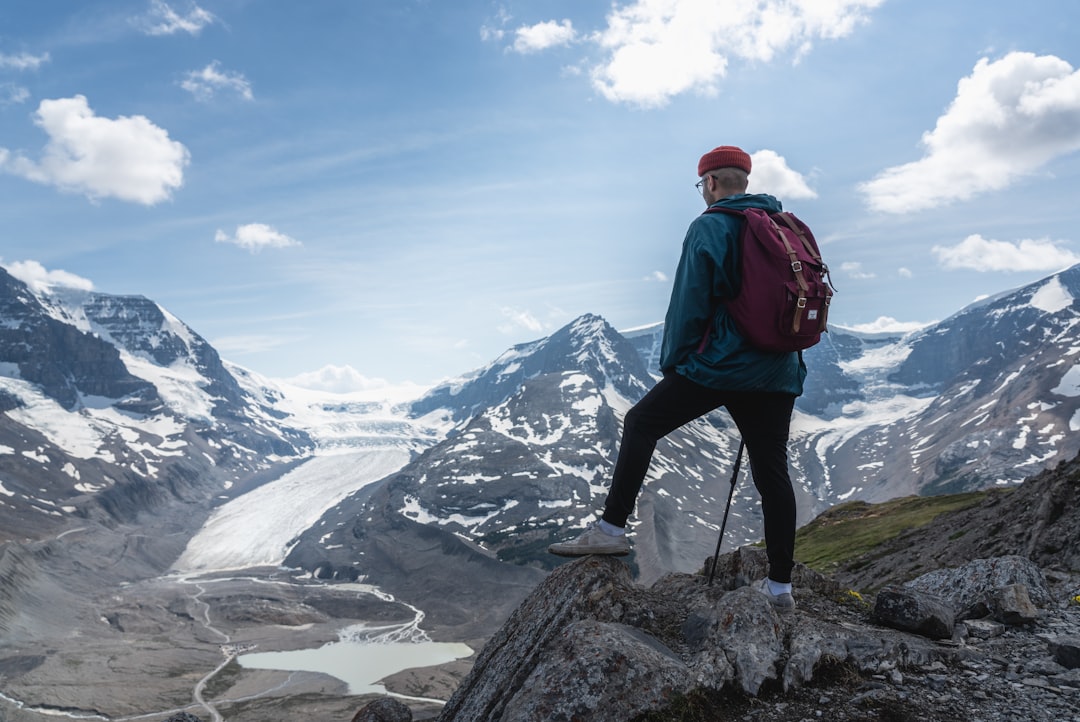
708,274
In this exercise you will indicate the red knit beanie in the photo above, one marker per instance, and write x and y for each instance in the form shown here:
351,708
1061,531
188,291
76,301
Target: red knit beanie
724,156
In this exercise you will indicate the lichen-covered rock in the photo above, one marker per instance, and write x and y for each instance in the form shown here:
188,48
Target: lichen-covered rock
969,589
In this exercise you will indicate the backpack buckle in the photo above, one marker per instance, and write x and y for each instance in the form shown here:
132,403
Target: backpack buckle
801,303
796,266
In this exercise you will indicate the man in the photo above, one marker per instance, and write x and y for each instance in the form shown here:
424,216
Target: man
707,364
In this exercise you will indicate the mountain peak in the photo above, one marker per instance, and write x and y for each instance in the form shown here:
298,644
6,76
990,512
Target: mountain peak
588,344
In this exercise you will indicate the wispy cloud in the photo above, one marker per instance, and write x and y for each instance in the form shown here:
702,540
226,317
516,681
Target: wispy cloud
1009,118
203,84
518,319
853,269
128,158
981,254
11,94
162,19
255,237
23,61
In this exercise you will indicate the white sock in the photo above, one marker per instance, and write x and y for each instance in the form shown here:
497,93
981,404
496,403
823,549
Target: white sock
776,588
611,529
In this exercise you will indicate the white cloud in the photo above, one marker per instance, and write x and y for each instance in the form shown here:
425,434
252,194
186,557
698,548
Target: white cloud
888,324
904,272
336,379
1009,117
163,20
772,175
658,49
533,38
657,276
23,61
855,270
255,237
39,278
204,83
128,158
981,254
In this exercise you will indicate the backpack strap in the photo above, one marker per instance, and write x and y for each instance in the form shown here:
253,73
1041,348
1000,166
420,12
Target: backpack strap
709,327
796,268
791,222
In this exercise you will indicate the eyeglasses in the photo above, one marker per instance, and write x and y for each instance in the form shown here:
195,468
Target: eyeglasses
700,185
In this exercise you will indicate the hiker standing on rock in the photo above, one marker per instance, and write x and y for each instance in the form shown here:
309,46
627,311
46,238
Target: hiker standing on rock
707,364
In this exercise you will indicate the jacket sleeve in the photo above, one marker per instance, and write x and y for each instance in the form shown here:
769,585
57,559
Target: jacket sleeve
701,279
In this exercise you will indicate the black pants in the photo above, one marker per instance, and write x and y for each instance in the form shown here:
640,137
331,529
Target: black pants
763,420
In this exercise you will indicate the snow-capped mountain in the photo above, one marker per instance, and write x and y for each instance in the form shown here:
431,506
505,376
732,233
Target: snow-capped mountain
112,406
986,397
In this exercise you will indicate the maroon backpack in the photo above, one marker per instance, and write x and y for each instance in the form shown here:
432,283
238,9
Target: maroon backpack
785,290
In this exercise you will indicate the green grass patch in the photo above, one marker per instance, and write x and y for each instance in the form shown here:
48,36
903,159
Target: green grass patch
850,530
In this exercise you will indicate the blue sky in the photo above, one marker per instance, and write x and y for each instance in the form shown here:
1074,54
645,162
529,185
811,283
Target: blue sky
399,190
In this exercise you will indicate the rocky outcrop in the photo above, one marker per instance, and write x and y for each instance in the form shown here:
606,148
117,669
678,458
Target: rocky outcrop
591,644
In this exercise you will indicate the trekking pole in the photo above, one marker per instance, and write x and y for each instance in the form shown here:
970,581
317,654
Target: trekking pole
731,493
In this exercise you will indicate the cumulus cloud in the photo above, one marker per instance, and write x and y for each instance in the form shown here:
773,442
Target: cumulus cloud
256,236
128,158
654,50
1009,118
39,278
203,84
771,174
982,254
657,49
162,19
533,38
656,276
23,61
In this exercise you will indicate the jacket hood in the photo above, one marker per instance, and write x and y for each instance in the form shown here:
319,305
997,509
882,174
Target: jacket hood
742,201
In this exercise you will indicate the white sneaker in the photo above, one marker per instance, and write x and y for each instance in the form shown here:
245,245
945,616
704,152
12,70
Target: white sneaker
783,602
593,540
